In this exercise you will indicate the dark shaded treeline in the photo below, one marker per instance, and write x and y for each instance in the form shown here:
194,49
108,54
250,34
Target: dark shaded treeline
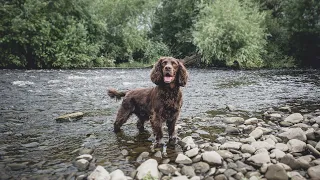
85,33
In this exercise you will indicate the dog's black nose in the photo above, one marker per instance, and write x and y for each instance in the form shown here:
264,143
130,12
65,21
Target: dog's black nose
167,67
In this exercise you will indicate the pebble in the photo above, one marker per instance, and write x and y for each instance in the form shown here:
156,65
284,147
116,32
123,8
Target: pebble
265,151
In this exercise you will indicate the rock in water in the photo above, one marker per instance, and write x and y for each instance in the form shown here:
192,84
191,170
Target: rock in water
70,117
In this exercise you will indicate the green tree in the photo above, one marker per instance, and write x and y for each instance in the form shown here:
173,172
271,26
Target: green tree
302,20
76,33
277,36
173,24
47,34
229,31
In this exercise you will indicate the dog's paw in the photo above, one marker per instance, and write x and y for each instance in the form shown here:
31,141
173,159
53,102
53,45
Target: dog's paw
116,130
157,144
173,141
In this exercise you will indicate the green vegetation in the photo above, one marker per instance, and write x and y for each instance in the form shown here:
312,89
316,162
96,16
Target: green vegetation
123,33
230,31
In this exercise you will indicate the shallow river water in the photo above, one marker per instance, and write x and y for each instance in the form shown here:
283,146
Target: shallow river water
34,145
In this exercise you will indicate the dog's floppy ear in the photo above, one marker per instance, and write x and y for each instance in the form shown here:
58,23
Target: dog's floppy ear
182,75
156,73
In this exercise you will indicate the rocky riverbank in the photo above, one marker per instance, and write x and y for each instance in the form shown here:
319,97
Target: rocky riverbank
280,145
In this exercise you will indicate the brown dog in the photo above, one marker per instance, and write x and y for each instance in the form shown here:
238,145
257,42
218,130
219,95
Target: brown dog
159,104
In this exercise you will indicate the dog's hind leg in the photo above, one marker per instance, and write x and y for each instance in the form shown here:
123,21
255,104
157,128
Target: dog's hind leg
141,119
123,115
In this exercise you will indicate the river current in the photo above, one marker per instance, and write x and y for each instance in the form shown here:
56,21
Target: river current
33,144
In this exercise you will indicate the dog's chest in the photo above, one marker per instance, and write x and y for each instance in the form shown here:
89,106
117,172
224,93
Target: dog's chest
170,102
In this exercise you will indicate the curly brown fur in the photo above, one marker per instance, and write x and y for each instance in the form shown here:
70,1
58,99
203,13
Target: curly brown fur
115,94
158,104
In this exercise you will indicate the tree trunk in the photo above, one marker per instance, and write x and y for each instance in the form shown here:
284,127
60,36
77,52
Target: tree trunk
193,60
31,64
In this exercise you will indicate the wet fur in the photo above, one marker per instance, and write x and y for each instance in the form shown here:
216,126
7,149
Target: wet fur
158,104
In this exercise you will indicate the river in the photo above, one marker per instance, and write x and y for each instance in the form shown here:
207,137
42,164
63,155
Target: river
33,144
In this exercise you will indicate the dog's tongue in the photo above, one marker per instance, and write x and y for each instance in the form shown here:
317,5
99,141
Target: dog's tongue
167,79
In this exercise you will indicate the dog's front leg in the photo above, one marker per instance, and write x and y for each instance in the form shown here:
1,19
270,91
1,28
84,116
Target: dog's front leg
171,130
156,123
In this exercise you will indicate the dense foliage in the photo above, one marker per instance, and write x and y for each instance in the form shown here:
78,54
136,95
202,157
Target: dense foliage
86,33
228,32
173,25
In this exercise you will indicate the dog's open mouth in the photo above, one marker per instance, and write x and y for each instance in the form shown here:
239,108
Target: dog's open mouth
168,78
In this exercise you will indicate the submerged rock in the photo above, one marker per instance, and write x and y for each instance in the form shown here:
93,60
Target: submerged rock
69,117
31,145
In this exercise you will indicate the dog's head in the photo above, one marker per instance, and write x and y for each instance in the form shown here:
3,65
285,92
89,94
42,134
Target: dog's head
169,70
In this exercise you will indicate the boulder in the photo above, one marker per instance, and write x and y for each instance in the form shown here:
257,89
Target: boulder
289,160
201,167
183,159
167,169
313,150
256,134
99,174
262,144
259,159
247,148
294,118
187,143
281,146
117,175
192,152
277,154
234,120
188,171
225,154
296,145
212,157
293,133
276,172
251,121
314,172
318,146
81,164
148,168
231,145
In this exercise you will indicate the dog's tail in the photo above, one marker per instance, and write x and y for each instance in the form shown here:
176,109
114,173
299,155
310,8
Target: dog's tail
116,94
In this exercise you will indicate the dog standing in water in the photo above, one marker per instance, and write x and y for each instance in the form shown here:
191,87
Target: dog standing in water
159,104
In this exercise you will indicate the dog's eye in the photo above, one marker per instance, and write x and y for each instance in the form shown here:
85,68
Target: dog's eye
164,63
174,64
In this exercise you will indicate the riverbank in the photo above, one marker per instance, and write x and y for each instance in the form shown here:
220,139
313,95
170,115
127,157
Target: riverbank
281,145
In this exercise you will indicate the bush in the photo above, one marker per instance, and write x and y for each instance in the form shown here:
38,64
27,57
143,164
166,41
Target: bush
229,31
